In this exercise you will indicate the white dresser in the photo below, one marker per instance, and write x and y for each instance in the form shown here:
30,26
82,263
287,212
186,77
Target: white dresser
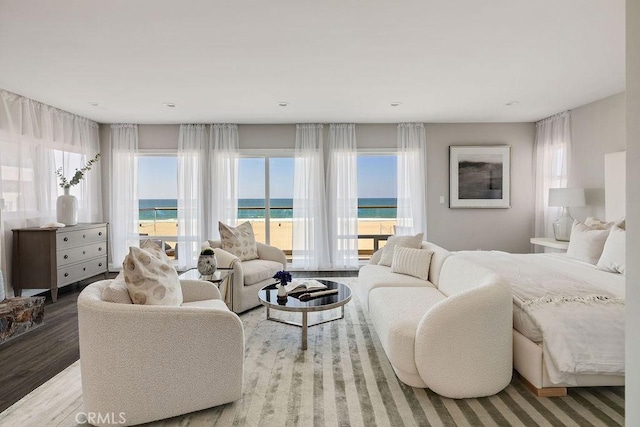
50,258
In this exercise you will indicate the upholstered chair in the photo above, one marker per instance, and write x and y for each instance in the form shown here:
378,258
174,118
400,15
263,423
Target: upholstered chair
151,362
249,276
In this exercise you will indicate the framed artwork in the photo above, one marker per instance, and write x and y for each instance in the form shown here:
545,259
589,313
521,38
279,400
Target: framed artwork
480,176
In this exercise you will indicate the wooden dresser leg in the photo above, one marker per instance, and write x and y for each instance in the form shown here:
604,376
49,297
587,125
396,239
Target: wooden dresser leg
54,294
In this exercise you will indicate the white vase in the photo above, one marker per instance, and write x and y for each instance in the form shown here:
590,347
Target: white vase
282,292
67,208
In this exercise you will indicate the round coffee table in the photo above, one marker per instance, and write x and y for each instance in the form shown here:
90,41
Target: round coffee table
269,298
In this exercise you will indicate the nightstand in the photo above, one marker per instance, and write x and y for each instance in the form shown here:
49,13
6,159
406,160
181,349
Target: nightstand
549,242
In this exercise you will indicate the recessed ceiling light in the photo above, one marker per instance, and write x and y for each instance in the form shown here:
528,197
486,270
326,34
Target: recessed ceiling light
169,104
283,103
511,103
94,104
396,104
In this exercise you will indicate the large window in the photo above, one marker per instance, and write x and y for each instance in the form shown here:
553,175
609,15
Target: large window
265,198
377,200
157,194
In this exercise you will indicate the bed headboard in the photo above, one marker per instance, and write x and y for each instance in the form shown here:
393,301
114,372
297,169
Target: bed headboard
615,185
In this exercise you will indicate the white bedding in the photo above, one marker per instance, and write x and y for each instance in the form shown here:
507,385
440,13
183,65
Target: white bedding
576,310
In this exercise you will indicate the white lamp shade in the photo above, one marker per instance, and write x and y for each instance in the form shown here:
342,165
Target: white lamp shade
566,197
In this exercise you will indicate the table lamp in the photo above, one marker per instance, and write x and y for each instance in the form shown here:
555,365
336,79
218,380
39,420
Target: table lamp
565,198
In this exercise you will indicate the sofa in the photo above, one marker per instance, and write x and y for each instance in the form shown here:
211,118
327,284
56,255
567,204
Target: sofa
142,363
451,337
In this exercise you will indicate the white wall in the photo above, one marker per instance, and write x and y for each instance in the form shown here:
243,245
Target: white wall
596,129
633,216
456,229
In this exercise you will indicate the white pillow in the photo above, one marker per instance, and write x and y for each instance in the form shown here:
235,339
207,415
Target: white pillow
613,256
240,240
597,224
586,243
404,241
414,262
117,291
150,277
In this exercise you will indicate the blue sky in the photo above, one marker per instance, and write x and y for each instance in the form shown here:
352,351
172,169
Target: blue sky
157,177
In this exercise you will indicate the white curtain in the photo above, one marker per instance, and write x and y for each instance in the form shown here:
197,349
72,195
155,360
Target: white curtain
342,179
552,149
35,140
193,184
412,179
123,201
223,178
310,243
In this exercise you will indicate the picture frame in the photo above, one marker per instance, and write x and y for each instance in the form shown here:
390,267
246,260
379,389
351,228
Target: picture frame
480,176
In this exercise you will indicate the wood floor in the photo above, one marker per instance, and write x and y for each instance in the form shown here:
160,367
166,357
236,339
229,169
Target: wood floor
30,360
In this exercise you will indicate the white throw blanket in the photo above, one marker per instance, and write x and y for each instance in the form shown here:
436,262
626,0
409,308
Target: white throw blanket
582,322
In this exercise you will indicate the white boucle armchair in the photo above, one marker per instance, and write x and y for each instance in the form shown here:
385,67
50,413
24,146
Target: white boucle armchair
150,362
249,276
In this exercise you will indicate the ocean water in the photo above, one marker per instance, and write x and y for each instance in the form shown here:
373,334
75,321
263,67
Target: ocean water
254,208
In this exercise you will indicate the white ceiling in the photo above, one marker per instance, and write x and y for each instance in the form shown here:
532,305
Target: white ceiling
332,60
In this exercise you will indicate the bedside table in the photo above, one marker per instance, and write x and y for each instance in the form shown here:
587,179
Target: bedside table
549,242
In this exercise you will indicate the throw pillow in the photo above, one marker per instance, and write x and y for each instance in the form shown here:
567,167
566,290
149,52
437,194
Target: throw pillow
150,277
117,291
597,224
414,262
240,240
586,243
414,242
613,256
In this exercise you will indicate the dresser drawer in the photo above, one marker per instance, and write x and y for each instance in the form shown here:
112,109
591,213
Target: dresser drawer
75,272
81,253
70,239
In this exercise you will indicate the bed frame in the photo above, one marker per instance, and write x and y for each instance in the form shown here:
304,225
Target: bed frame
528,359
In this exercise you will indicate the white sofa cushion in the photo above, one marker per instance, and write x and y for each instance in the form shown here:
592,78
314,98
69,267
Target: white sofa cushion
397,333
257,270
117,291
403,241
209,303
373,276
414,262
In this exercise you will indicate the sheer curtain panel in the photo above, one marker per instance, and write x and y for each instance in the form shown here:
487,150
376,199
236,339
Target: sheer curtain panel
124,207
552,149
222,178
35,140
342,179
310,243
193,185
412,179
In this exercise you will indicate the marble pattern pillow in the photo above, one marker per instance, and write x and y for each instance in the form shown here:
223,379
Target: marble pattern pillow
150,277
414,242
239,241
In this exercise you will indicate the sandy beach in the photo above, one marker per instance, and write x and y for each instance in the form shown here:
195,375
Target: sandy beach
281,231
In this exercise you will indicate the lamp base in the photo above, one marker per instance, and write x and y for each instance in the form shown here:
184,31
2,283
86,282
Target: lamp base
562,226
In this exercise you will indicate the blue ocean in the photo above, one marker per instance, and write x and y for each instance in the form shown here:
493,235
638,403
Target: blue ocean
151,209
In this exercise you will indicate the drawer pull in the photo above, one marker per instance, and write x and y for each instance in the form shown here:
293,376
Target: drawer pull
83,236
66,274
66,256
100,249
100,265
66,239
84,252
84,268
100,233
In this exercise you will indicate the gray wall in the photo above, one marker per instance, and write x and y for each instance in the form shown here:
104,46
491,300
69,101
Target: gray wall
456,229
633,216
470,229
596,129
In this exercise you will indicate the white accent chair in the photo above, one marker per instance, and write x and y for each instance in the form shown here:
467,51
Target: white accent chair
151,362
249,276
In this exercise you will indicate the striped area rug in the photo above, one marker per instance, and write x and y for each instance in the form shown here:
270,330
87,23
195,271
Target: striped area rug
345,379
